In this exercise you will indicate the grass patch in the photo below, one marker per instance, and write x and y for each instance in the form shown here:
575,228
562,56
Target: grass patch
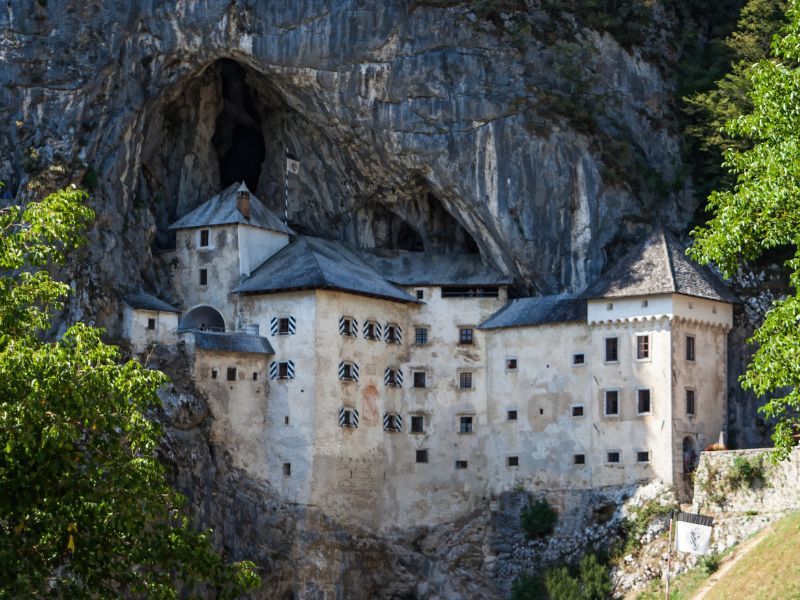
684,586
770,570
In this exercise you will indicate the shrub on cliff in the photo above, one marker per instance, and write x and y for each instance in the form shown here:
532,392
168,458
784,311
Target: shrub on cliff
538,519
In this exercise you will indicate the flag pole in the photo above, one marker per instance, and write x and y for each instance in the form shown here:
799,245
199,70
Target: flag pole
669,552
286,185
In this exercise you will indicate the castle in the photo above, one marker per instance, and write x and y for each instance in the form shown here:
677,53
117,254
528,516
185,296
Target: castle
405,388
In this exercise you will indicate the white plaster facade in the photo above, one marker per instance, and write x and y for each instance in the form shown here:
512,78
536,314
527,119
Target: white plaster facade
144,327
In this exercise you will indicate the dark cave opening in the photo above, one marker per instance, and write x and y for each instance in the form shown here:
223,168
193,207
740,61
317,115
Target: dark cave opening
409,239
238,139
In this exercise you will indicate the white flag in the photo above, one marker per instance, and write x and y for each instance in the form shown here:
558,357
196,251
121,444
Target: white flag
693,533
292,164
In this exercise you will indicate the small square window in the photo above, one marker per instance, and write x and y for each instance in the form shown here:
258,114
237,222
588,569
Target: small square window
347,327
577,410
511,415
643,402
612,349
255,376
231,375
393,334
417,424
465,380
422,456
203,276
465,424
690,405
610,306
393,378
283,326
392,422
642,347
612,457
204,238
461,464
347,372
371,330
511,364
420,379
151,324
465,336
420,294
214,373
578,459
512,461
612,402
286,420
421,336
287,469
690,348
642,456
578,359
348,417
644,303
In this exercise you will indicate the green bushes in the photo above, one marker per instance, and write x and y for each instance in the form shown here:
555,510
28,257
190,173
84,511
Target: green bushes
746,472
640,518
538,519
590,580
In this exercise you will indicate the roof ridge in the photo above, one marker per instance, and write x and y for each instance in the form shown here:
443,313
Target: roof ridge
670,265
313,253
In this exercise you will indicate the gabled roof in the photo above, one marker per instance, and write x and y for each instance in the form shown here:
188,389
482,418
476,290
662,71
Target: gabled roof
314,263
563,308
222,210
144,301
231,342
425,268
659,266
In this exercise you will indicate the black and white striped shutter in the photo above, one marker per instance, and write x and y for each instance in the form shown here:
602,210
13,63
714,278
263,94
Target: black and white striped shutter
273,326
354,330
399,333
399,377
273,370
355,371
343,326
354,417
342,413
386,421
290,368
292,325
378,331
399,421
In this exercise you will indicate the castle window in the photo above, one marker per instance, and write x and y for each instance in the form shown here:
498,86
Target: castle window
465,336
511,364
470,292
612,402
151,324
465,424
417,424
644,303
612,349
577,410
348,417
231,375
348,326
286,420
203,276
392,421
612,457
287,469
204,238
420,379
461,464
465,380
393,377
643,402
283,325
281,370
511,415
214,373
394,335
420,294
421,336
372,330
643,456
642,347
578,459
255,376
610,306
690,348
348,371
690,407
578,359
422,456
512,461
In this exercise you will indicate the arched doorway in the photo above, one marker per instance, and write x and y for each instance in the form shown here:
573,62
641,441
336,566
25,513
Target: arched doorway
689,456
203,318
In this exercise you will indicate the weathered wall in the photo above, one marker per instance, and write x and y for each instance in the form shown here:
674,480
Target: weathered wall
134,327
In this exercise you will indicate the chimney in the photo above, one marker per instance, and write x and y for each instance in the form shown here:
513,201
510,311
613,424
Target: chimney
243,200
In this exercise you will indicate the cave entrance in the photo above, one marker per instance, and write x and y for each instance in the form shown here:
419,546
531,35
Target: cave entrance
203,318
238,139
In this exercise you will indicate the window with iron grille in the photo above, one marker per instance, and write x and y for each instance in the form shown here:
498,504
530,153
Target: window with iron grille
690,348
461,464
612,457
690,407
465,380
612,349
512,461
465,335
420,379
578,459
231,374
511,415
642,456
421,336
612,402
642,347
417,424
465,424
422,456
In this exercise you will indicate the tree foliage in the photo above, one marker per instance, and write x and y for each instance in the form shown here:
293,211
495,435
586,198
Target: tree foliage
762,212
85,510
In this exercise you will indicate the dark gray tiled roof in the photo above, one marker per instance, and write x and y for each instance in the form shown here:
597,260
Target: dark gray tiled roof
231,342
424,268
563,308
222,210
659,266
147,302
314,263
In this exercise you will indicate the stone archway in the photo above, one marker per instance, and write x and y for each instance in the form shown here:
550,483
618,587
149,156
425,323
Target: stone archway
689,456
204,318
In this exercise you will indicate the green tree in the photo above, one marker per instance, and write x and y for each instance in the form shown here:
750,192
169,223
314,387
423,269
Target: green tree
85,510
762,212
